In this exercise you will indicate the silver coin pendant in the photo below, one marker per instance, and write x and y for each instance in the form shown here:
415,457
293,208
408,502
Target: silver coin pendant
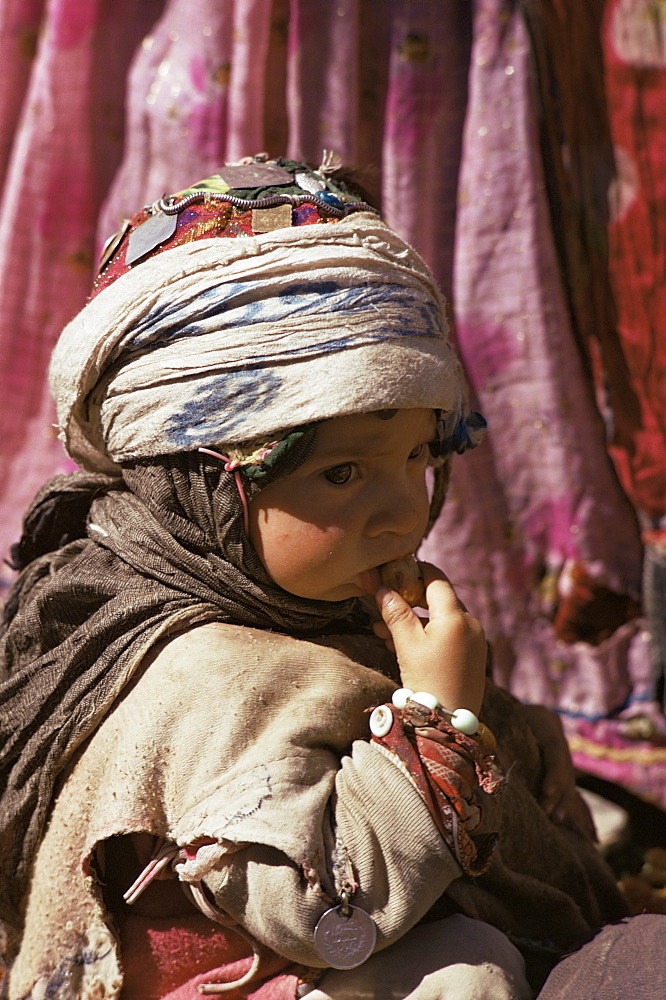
345,940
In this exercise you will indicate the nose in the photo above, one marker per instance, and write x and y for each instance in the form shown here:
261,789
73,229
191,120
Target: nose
399,508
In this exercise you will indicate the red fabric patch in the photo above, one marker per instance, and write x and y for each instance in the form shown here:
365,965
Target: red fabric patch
165,958
636,100
202,220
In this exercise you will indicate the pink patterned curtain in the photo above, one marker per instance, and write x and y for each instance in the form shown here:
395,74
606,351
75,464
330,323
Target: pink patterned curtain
467,121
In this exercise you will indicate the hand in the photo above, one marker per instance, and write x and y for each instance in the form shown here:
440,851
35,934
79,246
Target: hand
444,655
559,797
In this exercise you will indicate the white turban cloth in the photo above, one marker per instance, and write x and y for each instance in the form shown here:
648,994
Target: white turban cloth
228,340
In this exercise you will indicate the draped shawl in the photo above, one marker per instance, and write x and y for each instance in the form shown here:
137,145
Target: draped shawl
163,548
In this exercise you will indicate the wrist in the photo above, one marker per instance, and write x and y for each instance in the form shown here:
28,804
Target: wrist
450,696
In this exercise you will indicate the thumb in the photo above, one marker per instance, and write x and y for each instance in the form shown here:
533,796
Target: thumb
399,617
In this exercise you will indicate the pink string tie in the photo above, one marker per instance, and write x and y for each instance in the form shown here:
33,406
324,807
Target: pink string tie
232,465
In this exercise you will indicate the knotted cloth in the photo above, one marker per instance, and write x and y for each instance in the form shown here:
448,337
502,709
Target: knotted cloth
222,341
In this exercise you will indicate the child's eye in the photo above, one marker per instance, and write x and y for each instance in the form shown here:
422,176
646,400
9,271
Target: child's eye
417,452
339,474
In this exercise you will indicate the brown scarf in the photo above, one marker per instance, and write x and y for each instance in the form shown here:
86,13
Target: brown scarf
113,565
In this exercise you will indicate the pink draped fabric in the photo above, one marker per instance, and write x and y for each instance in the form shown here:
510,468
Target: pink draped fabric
543,492
66,144
105,107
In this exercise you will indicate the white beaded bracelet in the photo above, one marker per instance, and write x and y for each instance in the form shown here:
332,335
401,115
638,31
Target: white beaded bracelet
461,719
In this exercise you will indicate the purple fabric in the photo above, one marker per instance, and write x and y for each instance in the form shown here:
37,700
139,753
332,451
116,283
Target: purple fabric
125,101
626,959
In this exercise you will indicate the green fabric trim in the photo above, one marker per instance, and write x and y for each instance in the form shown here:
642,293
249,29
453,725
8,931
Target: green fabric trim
275,456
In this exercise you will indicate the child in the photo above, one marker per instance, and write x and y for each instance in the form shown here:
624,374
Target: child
197,798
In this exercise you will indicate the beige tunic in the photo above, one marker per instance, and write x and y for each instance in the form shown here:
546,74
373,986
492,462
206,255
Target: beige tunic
259,742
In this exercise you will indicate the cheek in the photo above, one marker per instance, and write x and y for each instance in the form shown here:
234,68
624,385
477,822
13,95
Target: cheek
288,547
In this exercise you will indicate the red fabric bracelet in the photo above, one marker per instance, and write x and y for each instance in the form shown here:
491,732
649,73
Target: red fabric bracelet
453,773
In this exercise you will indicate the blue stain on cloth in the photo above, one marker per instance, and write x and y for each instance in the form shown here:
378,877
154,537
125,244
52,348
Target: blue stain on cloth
210,409
241,304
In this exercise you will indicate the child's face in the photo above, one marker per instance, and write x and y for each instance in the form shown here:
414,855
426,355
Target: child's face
359,501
